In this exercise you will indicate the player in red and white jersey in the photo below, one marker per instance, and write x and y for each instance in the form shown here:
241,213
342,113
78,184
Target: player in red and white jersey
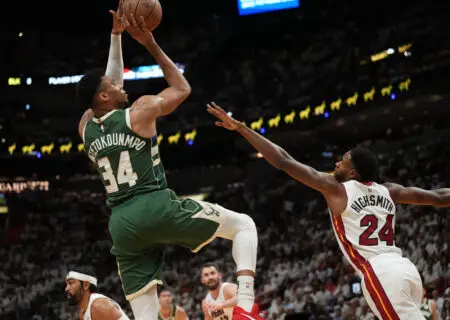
363,217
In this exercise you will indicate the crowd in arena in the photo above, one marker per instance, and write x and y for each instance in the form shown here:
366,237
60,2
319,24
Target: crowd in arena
51,231
61,228
252,77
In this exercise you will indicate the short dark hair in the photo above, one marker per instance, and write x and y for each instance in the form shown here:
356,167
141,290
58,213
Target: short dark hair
88,86
209,265
165,289
88,271
365,163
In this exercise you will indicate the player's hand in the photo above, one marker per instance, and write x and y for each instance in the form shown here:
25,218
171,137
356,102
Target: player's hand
213,306
138,31
226,121
118,26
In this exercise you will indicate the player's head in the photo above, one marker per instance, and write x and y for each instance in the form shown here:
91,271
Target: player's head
97,91
210,276
80,282
357,164
165,298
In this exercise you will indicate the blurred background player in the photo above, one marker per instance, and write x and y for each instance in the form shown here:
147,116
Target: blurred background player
221,297
81,290
168,309
428,307
146,214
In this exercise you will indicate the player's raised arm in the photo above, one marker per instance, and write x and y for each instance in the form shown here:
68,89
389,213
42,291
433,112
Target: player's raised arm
104,309
417,196
179,88
114,68
207,315
230,295
278,157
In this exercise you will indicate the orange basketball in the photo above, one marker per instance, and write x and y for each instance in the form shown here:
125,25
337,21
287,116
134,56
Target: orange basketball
149,9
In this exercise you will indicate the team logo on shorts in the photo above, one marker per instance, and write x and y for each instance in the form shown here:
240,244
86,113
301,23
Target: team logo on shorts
209,211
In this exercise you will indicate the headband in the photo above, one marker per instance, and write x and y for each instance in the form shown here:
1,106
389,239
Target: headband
82,277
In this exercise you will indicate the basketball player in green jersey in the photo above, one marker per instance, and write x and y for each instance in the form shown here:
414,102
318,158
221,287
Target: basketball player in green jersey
146,215
428,308
168,310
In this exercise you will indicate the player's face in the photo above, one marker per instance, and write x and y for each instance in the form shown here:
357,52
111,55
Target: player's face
211,278
344,170
74,291
165,299
113,93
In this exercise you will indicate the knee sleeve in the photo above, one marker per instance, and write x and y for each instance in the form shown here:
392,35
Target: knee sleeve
233,223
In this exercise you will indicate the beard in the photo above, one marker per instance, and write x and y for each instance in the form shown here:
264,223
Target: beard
213,284
74,299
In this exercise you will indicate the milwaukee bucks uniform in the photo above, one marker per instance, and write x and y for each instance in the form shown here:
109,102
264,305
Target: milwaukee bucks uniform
145,214
425,308
172,315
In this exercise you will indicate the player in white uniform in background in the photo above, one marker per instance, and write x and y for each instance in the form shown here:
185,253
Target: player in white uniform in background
363,217
81,288
168,310
222,296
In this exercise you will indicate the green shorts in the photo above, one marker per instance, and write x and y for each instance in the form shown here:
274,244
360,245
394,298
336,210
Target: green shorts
141,226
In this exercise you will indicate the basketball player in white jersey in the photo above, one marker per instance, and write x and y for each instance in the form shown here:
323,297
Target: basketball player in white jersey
81,288
363,217
222,296
168,310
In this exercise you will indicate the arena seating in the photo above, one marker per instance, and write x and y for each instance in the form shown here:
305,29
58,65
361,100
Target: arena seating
64,227
52,230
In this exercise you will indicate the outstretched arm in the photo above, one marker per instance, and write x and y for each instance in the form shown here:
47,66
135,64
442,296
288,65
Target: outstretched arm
114,68
278,157
418,196
179,88
206,314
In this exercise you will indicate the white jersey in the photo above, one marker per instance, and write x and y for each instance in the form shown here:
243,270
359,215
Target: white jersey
366,227
95,296
223,314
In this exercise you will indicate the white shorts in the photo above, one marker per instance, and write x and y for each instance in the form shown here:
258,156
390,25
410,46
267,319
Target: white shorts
393,288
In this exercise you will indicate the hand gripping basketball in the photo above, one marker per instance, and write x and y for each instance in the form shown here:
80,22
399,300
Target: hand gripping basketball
139,32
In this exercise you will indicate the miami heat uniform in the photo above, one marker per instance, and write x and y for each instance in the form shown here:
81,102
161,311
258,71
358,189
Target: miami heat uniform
222,314
95,296
365,230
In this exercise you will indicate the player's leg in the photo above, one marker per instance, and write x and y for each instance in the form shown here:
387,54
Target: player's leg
196,223
241,229
387,288
139,258
140,275
167,219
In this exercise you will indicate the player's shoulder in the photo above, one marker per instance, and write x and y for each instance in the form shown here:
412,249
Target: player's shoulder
104,306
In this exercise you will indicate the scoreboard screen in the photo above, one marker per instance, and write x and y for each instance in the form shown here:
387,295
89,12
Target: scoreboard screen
247,7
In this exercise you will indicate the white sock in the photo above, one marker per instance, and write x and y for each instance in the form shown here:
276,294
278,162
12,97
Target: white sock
146,306
246,293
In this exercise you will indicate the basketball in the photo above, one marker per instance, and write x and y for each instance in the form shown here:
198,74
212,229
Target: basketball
151,10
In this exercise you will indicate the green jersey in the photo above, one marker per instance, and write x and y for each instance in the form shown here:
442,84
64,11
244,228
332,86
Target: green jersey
128,164
425,308
172,315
